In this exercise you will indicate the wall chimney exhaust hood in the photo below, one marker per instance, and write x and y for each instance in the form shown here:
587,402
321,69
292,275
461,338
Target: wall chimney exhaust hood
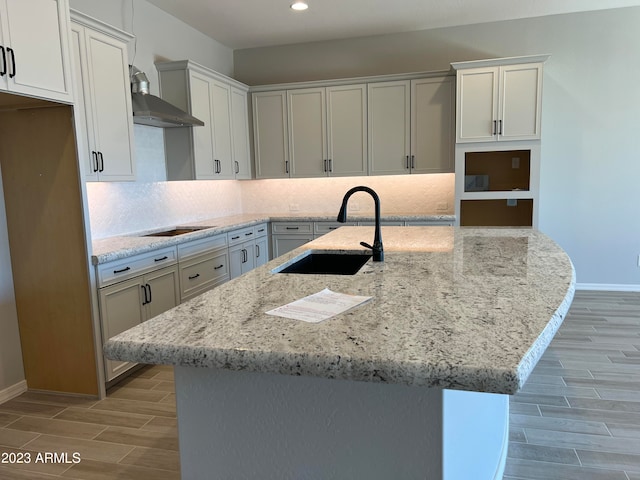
153,111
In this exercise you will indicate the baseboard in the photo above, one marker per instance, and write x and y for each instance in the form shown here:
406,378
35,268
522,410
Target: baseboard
13,391
608,287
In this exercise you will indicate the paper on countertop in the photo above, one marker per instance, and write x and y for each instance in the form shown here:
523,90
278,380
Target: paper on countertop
319,306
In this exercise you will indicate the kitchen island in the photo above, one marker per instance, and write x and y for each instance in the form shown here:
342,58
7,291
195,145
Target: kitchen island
412,384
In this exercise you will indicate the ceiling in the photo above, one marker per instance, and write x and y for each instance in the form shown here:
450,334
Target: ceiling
258,23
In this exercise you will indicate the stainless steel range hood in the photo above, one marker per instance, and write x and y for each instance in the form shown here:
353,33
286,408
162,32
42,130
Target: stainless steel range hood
153,111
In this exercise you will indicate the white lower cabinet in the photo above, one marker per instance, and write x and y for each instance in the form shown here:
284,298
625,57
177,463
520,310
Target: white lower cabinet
248,249
203,264
287,236
128,303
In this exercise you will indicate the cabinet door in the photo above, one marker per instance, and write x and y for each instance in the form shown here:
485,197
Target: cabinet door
39,68
240,131
270,134
477,107
222,141
120,310
347,130
164,290
285,243
107,91
203,140
432,101
389,127
307,132
261,252
241,259
520,90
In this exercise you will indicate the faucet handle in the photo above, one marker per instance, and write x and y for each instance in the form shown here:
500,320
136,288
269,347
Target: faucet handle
365,244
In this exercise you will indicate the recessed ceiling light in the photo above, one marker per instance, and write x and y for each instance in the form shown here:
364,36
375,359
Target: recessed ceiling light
299,6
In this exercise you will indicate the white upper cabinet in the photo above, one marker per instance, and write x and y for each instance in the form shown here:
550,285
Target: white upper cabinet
499,100
389,127
103,98
306,117
270,134
219,149
311,132
411,126
34,52
347,130
240,129
432,120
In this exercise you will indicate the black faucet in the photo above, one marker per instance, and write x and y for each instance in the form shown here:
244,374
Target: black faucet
378,252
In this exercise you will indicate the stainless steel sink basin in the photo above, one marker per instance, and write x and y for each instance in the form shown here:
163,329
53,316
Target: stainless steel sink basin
327,263
175,231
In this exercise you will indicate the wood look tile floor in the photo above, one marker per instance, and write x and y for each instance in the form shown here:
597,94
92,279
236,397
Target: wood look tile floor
578,416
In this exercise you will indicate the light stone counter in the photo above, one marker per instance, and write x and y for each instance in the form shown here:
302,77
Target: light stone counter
461,311
467,309
122,246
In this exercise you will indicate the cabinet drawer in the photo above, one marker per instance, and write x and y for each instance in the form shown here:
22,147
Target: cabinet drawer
204,245
260,230
240,235
203,273
292,227
320,228
126,268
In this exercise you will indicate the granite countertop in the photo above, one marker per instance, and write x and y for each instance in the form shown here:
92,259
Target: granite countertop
459,308
123,246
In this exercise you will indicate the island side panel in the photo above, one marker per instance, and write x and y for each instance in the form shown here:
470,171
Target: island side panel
252,425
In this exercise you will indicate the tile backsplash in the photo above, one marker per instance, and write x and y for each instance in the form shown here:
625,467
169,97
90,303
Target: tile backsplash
121,208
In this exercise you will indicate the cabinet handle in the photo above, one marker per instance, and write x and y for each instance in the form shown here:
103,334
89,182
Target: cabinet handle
144,292
12,73
257,251
260,230
237,166
4,62
245,255
146,288
101,162
193,277
286,166
330,165
407,162
499,127
235,238
218,267
495,128
248,234
126,269
413,161
293,228
94,154
160,259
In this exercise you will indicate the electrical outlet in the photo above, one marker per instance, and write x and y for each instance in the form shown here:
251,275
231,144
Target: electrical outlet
354,206
294,207
442,206
515,162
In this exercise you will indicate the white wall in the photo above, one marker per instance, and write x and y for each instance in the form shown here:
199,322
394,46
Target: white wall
591,124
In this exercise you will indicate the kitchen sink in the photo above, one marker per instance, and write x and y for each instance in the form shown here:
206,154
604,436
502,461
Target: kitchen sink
327,263
175,231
